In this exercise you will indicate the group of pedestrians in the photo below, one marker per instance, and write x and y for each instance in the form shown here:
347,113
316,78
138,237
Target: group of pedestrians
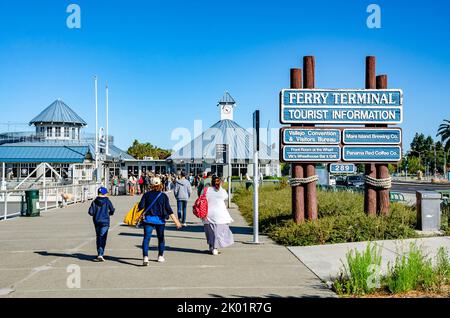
157,211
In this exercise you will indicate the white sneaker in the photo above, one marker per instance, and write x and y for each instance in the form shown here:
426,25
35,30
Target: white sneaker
161,259
146,261
100,259
184,224
215,251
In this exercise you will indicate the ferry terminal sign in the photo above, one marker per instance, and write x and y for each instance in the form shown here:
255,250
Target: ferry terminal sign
341,106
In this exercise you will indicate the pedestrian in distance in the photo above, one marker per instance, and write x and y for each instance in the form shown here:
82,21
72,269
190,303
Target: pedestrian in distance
157,210
101,210
182,193
204,183
216,223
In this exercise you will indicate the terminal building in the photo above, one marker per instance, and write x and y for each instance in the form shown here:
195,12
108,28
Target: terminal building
201,153
59,151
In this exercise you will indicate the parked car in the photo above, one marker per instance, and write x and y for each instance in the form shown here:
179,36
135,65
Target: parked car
355,181
332,181
341,181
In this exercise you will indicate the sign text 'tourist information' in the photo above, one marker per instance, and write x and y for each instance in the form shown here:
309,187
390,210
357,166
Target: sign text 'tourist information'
339,106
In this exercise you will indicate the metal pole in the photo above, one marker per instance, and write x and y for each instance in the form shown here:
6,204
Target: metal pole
255,198
435,165
5,206
45,191
230,173
107,119
3,176
96,131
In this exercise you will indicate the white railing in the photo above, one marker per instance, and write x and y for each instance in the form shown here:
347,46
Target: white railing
51,197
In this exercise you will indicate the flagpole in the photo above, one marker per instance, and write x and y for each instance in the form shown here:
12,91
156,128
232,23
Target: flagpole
107,119
96,131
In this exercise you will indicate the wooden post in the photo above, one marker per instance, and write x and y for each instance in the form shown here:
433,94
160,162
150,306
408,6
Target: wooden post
370,194
298,194
382,169
311,191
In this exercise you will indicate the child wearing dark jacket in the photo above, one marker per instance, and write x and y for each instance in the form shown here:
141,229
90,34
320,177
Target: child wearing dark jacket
101,209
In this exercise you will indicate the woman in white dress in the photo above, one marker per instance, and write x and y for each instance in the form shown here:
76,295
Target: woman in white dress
216,223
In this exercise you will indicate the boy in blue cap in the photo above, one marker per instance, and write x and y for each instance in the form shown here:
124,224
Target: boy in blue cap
101,209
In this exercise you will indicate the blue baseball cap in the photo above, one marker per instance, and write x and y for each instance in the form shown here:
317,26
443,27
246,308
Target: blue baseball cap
102,190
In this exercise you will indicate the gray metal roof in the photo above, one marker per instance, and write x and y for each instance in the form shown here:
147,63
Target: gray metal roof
203,148
227,99
58,113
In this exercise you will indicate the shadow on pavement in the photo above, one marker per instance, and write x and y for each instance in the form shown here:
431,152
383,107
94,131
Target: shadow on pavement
86,257
178,249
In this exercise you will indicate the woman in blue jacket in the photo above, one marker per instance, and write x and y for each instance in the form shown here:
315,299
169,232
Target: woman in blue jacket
157,210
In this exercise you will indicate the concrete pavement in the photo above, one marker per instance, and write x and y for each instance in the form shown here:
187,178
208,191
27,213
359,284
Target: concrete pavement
41,257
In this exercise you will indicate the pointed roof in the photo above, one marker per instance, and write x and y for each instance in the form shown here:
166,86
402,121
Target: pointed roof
58,112
227,99
223,132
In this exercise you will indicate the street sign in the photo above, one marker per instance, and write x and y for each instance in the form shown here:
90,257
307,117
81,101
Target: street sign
342,168
341,106
292,136
311,153
221,153
372,153
256,131
388,136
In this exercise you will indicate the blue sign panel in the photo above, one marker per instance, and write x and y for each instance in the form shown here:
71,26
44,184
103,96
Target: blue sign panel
339,106
342,168
341,115
311,153
342,97
311,136
372,136
372,153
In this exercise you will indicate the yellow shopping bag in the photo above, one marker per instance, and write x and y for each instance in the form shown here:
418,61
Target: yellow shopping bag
133,215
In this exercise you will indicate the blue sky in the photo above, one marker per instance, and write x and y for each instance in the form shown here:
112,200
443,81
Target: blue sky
167,63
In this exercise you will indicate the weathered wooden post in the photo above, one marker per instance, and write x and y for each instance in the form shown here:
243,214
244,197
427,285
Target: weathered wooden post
382,169
311,190
370,193
298,193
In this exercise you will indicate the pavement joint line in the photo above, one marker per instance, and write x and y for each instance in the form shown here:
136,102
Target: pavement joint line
48,266
309,268
155,266
165,288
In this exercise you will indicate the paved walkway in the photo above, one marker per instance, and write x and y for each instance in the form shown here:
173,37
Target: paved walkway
38,255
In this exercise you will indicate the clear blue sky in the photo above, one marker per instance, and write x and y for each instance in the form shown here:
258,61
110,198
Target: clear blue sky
168,62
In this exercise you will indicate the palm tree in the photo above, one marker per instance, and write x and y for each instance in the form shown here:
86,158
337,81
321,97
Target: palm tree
444,132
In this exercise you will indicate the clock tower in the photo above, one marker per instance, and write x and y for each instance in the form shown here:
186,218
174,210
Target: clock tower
226,105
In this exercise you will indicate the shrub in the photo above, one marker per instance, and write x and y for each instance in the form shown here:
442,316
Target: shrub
341,218
411,271
359,276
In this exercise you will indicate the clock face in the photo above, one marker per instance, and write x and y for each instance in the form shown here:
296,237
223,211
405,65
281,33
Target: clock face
227,109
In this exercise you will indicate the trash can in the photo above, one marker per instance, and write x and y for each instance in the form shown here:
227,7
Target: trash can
428,207
32,202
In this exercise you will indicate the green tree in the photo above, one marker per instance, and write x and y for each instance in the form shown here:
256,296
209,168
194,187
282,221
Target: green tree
444,133
141,150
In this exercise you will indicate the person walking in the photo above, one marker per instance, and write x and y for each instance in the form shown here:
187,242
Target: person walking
132,185
216,223
101,210
182,193
115,186
157,210
204,183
